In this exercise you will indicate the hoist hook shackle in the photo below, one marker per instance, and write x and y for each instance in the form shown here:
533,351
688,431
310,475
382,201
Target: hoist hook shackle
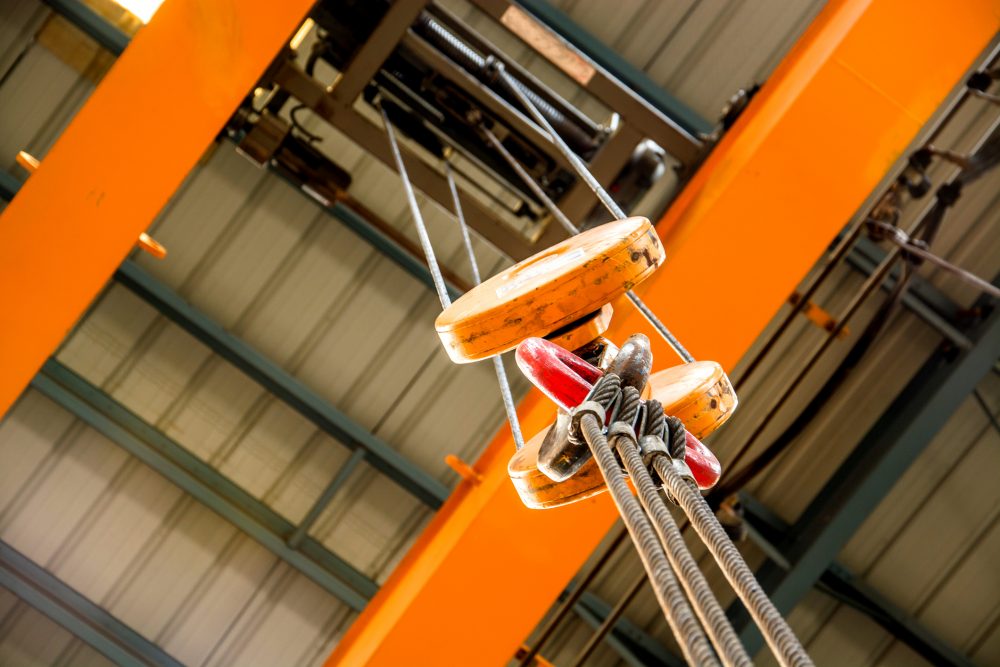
567,380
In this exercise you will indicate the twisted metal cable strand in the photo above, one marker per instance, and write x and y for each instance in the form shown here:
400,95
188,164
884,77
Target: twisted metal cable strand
606,389
779,636
713,617
629,405
655,418
682,621
604,392
677,440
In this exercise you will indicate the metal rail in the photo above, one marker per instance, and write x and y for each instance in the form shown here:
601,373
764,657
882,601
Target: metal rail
94,626
201,481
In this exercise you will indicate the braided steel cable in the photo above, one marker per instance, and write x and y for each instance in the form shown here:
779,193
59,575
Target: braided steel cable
535,188
561,217
676,608
606,389
435,269
669,594
605,392
482,67
606,199
656,420
628,408
779,636
677,438
505,393
418,218
713,617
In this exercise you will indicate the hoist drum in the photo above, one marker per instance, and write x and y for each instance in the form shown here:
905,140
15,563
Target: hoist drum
550,290
699,393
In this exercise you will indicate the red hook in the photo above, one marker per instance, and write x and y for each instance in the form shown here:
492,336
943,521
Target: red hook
560,374
567,379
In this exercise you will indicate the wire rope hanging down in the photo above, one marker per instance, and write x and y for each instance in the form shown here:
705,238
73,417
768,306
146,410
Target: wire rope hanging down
675,606
432,265
777,633
501,372
605,198
636,430
710,612
572,229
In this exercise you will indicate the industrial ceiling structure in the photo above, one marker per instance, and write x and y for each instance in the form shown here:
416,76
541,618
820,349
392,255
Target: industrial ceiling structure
254,450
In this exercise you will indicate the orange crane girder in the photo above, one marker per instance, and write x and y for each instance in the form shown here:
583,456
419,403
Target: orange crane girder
837,113
118,163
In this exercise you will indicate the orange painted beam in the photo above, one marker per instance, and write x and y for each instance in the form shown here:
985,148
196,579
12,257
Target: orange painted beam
837,113
119,161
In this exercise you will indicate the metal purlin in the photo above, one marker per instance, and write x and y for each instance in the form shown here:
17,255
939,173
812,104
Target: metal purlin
649,541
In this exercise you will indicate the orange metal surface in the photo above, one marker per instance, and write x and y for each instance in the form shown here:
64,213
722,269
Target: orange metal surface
550,289
119,161
146,242
27,161
838,111
585,330
150,245
818,316
699,394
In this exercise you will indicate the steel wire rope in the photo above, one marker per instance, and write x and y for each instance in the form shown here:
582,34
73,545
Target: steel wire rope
677,611
435,269
706,606
573,230
595,187
498,367
709,610
682,621
777,633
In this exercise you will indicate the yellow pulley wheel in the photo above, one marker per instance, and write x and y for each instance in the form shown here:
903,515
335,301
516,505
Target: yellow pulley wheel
550,289
699,393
